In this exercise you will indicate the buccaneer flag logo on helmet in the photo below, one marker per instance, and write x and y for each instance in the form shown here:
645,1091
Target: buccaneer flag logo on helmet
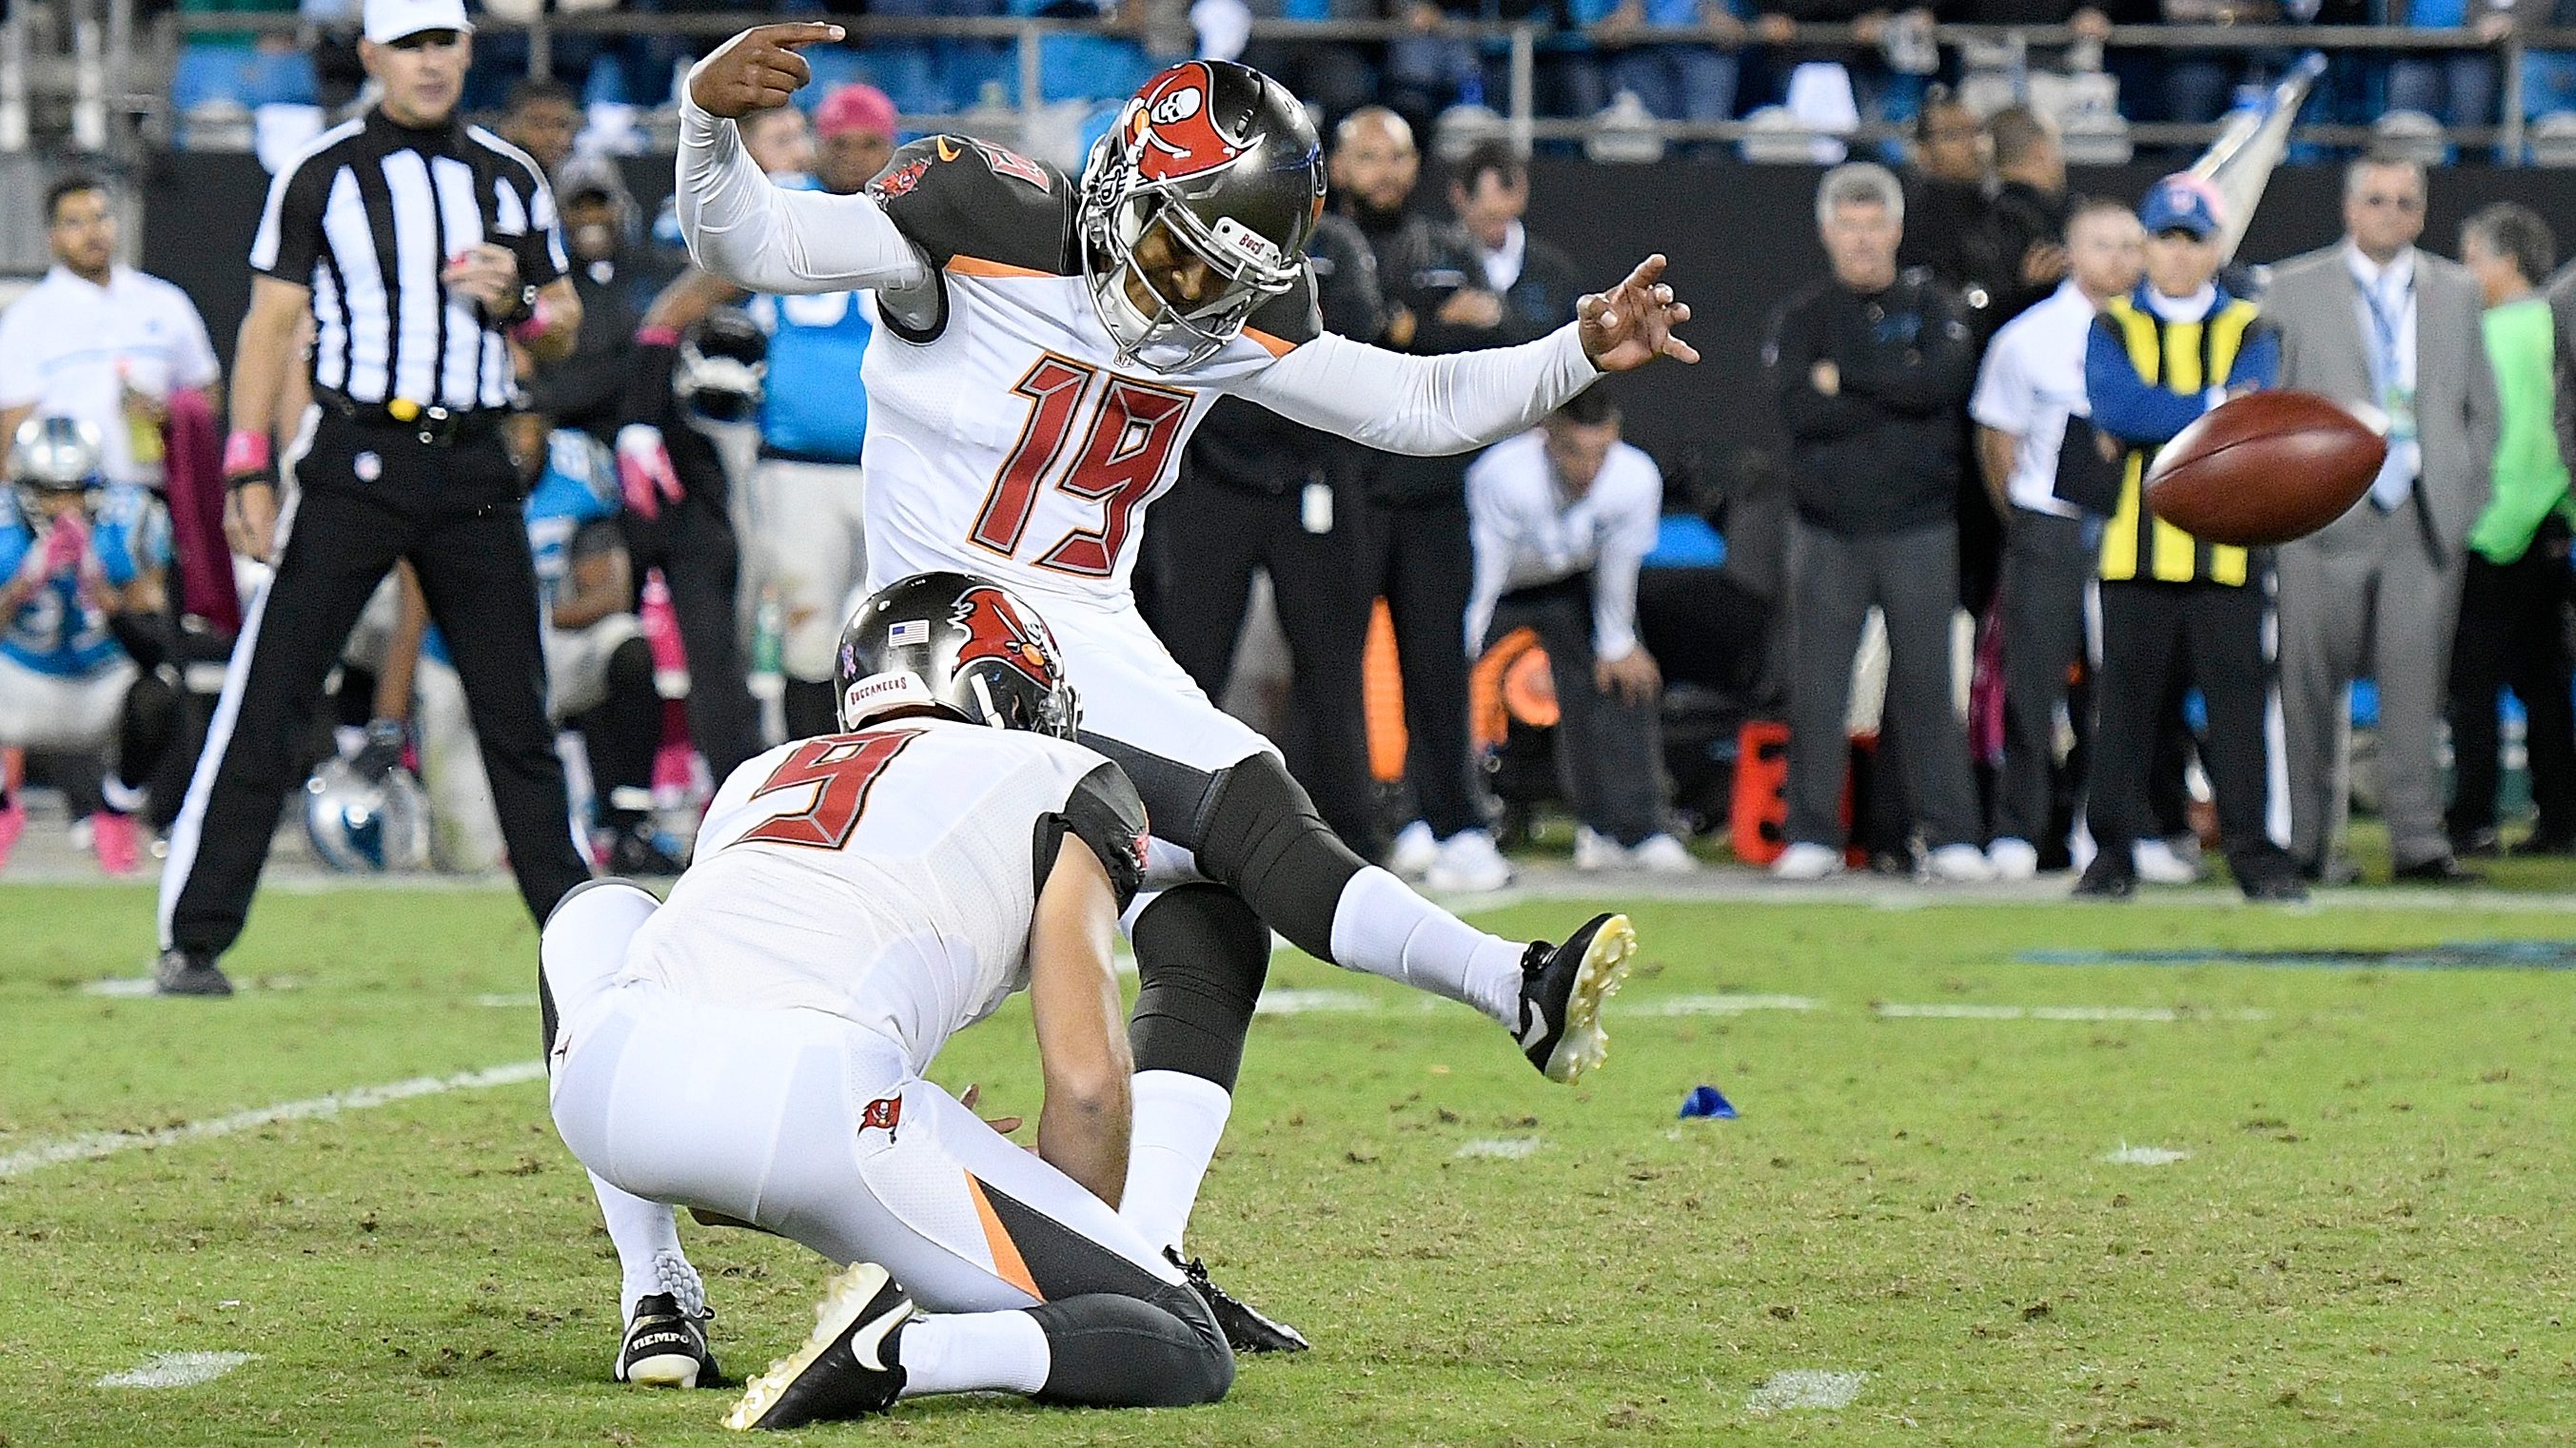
995,630
1170,129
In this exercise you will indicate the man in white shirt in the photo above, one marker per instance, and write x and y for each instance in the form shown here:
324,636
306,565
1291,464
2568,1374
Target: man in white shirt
100,342
1561,517
2032,383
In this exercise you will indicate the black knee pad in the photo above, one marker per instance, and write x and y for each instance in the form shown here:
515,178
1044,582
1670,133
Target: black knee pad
1201,957
149,721
1265,839
1113,1351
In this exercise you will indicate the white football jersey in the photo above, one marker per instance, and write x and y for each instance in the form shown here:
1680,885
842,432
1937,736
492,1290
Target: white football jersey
886,876
1003,440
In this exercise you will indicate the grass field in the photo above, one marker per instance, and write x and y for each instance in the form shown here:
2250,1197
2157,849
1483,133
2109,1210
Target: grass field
2367,1240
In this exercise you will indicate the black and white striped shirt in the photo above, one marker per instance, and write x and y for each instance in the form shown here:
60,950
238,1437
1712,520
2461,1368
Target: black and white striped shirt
367,217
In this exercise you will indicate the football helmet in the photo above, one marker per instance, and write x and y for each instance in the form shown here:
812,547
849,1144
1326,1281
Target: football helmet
963,645
1225,160
724,367
55,460
360,826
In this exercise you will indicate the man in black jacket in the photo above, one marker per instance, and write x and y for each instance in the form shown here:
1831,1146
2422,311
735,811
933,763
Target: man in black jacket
1260,492
1418,557
1534,282
587,389
1870,370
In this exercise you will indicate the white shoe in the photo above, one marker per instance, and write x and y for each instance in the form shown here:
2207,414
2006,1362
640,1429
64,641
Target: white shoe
1807,861
1413,851
1663,855
1594,850
2013,859
2158,864
1468,864
1958,865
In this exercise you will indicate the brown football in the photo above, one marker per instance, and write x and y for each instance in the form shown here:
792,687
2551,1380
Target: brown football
2264,468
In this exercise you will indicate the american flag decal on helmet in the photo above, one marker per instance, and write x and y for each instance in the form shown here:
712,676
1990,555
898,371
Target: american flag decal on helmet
909,631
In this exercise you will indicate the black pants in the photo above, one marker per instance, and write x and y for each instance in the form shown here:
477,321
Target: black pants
693,543
2512,633
2046,565
1609,753
370,496
1420,562
1911,576
2153,634
1210,538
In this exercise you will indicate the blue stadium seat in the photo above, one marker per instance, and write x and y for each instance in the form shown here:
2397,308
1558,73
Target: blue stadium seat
244,75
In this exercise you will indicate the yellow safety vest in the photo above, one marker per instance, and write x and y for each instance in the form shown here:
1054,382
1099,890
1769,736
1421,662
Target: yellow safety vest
2186,358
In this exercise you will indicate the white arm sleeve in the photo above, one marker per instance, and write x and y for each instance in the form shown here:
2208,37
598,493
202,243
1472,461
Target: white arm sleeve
760,237
1491,540
1426,406
1623,553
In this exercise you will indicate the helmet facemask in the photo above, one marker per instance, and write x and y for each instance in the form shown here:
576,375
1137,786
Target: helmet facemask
1242,204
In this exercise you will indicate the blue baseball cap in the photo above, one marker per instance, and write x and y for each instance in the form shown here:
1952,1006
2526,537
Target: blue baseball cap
2180,202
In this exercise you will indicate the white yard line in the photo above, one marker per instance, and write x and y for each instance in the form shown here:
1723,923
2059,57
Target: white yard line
1502,1148
1726,1004
2129,1155
1290,1001
1952,1011
92,1145
176,1370
1807,1389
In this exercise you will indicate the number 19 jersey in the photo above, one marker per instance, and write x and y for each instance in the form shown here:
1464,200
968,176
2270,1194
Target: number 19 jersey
887,876
1002,438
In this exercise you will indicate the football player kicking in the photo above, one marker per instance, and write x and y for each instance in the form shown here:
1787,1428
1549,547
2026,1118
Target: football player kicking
754,1048
1045,348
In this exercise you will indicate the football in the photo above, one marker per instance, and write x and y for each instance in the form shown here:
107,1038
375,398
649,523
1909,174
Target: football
2264,468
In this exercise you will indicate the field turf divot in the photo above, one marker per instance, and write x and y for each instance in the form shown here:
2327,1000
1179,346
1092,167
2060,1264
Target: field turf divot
176,1370
1806,1389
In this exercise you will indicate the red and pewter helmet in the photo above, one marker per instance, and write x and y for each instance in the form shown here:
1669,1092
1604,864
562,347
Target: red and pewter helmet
963,645
1224,159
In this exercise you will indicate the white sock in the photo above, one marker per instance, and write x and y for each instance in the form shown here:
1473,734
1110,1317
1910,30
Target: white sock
1178,1120
973,1352
649,1260
1382,927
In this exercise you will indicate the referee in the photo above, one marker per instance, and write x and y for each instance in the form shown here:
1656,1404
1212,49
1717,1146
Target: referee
421,247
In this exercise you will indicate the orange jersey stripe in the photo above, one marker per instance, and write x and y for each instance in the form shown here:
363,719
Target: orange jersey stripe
976,266
1275,346
1007,1262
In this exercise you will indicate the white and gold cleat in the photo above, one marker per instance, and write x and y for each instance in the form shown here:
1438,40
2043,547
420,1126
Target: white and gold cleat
845,1369
1562,988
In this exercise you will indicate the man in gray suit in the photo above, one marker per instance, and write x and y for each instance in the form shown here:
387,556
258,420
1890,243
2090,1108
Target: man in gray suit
2374,323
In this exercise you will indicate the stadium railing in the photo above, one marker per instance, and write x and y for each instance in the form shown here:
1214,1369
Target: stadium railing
110,64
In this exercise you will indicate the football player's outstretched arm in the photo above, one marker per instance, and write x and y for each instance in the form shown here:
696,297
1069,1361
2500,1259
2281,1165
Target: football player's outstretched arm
1082,1031
748,231
1465,400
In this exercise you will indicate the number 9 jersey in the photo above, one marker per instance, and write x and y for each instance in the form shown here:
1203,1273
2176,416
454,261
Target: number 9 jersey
888,876
1002,439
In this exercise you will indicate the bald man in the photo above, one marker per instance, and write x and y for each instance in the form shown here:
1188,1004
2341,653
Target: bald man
1417,555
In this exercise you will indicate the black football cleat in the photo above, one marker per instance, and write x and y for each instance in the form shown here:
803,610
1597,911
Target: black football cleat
189,973
665,1347
846,1369
2104,881
1562,988
1247,1328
